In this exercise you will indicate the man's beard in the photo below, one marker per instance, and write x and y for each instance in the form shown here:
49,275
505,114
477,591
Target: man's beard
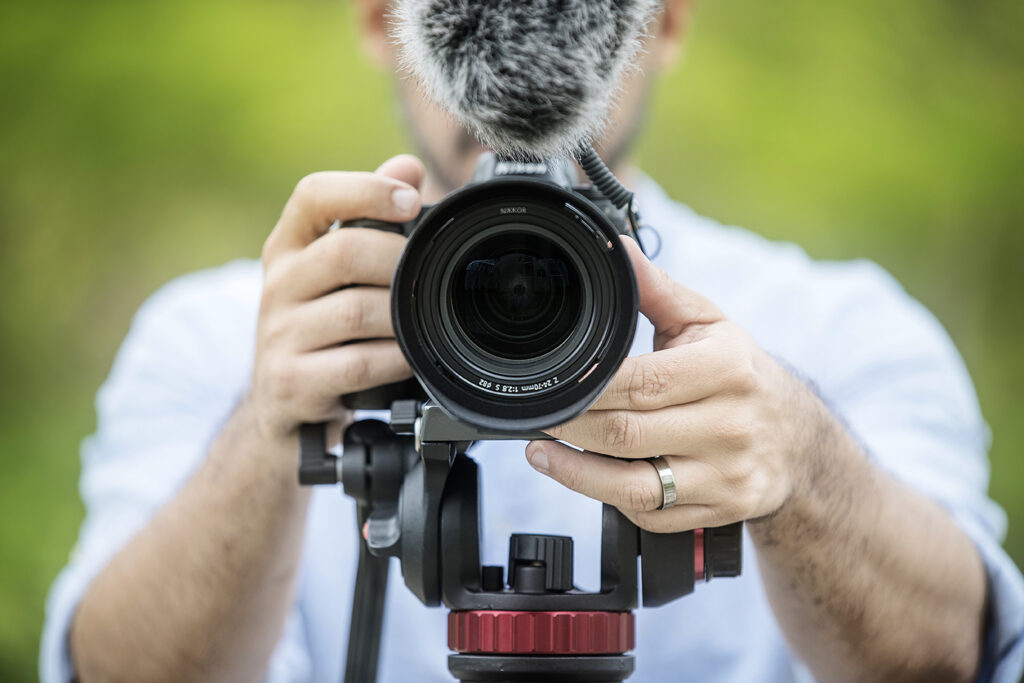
466,145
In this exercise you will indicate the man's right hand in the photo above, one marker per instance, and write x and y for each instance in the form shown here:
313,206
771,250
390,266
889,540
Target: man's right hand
324,326
221,604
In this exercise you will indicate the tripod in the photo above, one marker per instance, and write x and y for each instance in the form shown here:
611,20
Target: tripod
417,494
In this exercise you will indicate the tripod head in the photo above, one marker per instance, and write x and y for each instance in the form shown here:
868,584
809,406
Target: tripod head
418,500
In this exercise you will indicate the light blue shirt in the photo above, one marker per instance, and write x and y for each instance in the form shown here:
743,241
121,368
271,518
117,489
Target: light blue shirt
880,360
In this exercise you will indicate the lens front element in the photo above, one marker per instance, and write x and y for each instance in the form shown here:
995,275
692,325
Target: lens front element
515,295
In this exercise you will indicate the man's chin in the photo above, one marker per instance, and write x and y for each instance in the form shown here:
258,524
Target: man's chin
452,168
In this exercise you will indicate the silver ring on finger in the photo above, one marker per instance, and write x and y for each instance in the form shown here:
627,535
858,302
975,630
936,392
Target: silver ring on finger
668,482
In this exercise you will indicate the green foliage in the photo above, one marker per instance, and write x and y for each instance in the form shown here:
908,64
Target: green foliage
138,142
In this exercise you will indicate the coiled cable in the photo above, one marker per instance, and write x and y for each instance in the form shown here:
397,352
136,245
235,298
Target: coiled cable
603,179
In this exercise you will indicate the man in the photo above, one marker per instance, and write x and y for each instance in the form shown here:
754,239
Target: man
815,400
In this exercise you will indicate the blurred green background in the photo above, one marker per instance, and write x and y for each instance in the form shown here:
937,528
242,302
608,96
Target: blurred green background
140,141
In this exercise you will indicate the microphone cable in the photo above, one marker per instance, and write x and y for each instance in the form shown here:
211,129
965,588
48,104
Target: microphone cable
603,178
617,193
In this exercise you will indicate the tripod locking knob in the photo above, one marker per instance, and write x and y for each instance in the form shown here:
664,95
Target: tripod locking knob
723,551
539,564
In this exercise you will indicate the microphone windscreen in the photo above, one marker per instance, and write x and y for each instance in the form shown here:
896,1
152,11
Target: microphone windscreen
532,79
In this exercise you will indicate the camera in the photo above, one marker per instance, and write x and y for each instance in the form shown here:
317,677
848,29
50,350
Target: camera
514,300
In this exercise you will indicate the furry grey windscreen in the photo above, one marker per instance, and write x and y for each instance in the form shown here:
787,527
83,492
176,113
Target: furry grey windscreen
530,78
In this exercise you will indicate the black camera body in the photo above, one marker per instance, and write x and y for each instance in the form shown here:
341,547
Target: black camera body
514,300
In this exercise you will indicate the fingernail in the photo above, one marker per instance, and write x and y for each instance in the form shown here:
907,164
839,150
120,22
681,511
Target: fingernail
405,199
538,459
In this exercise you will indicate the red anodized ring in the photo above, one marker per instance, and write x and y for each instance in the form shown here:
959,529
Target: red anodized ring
551,633
540,633
698,554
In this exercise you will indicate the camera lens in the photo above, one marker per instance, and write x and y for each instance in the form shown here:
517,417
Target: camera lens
514,303
516,295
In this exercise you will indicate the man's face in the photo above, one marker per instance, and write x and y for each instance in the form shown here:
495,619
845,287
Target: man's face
450,152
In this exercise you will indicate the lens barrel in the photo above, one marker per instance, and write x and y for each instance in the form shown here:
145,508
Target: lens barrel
514,303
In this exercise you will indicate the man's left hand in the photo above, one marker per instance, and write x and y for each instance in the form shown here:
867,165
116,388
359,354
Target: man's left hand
734,425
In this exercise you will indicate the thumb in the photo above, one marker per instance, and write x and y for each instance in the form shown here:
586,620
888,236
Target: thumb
669,306
404,167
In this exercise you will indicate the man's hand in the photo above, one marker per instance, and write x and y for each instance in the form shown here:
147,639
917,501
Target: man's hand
325,295
730,421
214,611
856,566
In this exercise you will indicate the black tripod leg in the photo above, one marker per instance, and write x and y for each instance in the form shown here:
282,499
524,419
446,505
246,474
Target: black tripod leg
367,617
